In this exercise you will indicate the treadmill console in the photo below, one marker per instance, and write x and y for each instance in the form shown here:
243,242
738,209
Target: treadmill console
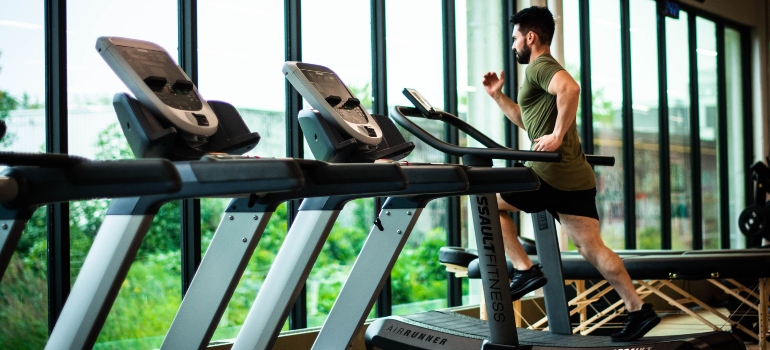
416,98
160,85
324,90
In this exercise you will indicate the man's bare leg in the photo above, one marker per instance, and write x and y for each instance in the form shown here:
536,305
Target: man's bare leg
584,232
513,248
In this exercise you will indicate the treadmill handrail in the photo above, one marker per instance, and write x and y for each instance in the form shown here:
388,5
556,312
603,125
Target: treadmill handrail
48,160
494,150
75,178
400,113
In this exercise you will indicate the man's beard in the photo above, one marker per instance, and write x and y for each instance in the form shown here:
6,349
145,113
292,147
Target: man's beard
523,56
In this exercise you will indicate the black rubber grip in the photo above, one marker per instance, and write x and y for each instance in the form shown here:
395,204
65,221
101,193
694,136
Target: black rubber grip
239,170
430,174
48,160
351,173
497,180
135,171
600,160
92,179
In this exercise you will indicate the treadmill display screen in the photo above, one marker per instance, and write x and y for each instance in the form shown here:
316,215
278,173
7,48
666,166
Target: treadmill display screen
163,77
328,84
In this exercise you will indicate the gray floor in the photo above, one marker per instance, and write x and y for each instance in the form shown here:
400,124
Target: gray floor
681,324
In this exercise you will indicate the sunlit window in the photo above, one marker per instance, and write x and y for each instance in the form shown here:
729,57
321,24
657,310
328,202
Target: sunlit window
606,101
418,284
344,46
150,294
678,69
708,107
245,71
644,86
736,118
24,306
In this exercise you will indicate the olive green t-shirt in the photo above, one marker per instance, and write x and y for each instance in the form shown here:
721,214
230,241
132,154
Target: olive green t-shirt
538,109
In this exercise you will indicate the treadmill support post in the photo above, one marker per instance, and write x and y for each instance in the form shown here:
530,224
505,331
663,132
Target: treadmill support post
98,282
494,272
10,234
548,253
291,267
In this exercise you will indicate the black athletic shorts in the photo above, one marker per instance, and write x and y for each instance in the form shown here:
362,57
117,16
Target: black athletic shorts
579,203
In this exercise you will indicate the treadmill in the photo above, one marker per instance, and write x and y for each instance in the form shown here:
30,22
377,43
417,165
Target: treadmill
169,119
446,330
329,128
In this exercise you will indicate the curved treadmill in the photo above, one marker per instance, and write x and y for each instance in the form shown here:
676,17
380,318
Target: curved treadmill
446,330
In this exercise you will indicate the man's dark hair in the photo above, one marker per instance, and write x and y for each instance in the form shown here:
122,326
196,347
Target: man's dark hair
536,19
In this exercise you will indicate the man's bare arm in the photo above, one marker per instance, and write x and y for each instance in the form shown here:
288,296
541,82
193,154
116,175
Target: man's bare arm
494,87
567,93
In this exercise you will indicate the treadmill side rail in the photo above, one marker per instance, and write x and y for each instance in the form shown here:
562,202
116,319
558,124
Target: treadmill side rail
391,333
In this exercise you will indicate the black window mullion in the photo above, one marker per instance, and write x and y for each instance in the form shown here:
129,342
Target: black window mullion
450,70
293,44
586,109
294,143
663,132
511,71
379,59
384,305
722,142
695,147
510,89
748,128
56,142
190,214
451,135
629,186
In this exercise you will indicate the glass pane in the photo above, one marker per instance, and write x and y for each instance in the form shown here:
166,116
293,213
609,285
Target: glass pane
644,78
22,79
678,77
246,75
423,72
706,52
24,287
227,70
337,257
479,52
350,230
150,294
571,34
418,280
606,102
735,135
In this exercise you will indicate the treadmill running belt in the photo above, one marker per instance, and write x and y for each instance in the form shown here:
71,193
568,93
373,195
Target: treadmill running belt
458,325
